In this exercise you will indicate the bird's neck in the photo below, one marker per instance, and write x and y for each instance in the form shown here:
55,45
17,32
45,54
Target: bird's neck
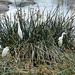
62,36
18,25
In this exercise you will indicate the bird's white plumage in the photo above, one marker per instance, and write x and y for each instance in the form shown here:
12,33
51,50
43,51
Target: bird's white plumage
19,30
4,52
60,39
0,46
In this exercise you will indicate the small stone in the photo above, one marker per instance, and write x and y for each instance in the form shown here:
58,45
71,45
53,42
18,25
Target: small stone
5,1
3,8
22,4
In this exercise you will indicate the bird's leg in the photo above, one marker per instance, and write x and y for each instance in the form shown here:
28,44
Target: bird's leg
32,57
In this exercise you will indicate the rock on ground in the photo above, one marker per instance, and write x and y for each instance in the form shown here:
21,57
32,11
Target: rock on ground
4,5
5,1
23,3
3,8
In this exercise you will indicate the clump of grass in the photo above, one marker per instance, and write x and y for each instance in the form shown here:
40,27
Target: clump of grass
39,46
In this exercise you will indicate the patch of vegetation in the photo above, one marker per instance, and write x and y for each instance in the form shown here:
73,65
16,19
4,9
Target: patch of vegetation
38,52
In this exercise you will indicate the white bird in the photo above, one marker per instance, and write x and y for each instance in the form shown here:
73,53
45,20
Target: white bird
19,30
0,47
60,39
5,51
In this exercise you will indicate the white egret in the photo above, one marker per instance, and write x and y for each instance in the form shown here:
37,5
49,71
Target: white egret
5,51
0,47
19,30
60,39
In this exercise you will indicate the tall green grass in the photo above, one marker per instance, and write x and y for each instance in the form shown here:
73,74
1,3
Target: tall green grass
39,47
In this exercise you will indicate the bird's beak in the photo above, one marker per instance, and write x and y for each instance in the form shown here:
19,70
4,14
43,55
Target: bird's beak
65,33
8,46
15,21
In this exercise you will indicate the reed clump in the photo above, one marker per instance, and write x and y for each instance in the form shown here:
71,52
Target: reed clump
38,52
